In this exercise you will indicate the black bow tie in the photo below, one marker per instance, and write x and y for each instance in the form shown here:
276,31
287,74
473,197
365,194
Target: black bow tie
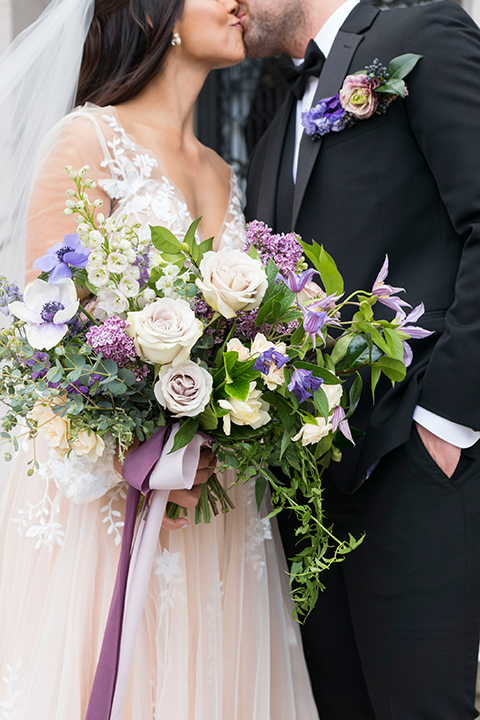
311,67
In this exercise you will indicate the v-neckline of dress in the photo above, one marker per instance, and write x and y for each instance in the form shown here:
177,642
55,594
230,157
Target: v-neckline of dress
161,167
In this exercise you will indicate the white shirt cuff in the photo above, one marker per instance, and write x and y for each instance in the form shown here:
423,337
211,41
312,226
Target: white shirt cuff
451,432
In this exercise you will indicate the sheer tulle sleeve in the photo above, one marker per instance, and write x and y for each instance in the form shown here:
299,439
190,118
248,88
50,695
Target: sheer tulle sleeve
76,141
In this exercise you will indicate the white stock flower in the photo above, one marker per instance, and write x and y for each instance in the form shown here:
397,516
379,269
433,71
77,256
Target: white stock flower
117,263
98,276
232,281
184,389
312,433
165,285
253,411
334,395
96,259
112,301
235,345
129,286
165,331
88,443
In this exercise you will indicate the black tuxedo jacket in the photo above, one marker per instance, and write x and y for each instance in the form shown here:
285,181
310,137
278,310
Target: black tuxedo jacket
406,183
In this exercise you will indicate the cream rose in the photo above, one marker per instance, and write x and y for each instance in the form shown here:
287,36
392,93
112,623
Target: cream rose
88,443
165,331
334,395
312,433
260,344
235,345
253,411
232,281
51,426
275,376
184,389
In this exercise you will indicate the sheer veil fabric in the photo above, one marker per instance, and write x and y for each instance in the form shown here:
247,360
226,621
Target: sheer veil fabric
217,638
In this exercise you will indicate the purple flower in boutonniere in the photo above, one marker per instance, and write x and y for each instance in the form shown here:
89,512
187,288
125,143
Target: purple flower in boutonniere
327,116
364,93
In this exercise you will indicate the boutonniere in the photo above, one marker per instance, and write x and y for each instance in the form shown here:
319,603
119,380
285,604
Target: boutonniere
365,93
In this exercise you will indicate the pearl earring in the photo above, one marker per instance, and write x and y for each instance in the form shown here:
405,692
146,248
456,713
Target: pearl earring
176,39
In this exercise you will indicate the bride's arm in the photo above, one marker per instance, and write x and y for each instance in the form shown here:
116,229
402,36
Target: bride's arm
77,146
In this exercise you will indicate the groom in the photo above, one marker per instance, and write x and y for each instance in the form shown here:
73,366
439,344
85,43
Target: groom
395,634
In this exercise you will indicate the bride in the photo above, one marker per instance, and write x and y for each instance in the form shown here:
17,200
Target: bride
217,640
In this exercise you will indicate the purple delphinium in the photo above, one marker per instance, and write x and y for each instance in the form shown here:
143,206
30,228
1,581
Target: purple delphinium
384,293
268,358
112,341
295,282
43,359
414,332
58,258
303,384
9,292
143,263
327,116
284,250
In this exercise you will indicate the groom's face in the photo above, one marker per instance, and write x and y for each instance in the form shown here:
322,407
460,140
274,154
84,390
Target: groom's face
270,25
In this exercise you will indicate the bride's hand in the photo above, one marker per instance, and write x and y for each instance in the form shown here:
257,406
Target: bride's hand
190,498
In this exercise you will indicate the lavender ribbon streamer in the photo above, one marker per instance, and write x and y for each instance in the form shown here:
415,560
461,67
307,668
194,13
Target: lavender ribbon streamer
149,468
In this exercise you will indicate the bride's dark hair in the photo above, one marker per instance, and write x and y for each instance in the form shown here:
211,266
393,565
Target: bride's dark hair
125,47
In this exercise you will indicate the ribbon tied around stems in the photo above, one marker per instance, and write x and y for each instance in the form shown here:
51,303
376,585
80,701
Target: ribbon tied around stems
150,470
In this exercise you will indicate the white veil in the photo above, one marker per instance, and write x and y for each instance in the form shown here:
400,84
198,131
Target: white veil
38,84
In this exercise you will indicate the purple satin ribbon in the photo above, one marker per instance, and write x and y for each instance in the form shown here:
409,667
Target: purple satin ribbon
150,471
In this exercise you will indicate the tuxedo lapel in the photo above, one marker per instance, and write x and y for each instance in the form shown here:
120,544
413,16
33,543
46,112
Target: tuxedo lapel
268,184
333,74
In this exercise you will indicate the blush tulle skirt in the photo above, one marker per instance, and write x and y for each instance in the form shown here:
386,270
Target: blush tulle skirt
217,639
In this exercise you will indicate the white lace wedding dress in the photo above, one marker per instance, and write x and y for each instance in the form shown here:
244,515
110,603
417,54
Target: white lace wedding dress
217,640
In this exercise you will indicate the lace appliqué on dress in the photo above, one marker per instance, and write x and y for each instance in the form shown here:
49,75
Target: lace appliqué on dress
113,517
8,706
82,480
167,565
38,520
257,531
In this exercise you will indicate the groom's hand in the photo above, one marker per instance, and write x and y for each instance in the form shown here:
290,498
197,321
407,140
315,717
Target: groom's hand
190,498
445,454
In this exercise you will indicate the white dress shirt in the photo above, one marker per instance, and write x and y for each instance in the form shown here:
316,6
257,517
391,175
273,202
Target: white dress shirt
447,430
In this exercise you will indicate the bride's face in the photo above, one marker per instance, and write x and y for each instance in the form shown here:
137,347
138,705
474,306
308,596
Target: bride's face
211,33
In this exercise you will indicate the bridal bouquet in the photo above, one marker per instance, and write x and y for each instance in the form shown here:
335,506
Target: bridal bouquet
125,332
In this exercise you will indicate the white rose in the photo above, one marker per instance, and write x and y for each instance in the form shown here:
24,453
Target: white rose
334,395
88,443
232,281
253,411
165,331
312,433
236,346
184,389
51,426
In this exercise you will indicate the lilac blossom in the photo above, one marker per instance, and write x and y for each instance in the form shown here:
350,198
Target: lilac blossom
9,292
327,116
58,258
303,384
313,322
341,423
284,249
112,341
268,358
294,282
414,332
47,308
384,293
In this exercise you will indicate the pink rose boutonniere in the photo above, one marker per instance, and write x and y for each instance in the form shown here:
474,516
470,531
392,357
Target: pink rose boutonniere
365,93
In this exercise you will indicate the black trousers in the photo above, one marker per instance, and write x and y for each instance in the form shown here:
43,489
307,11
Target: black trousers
395,634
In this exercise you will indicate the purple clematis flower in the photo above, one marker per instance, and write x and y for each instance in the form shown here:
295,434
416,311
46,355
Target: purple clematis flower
339,422
47,308
295,282
384,293
414,333
303,384
313,322
265,360
63,254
